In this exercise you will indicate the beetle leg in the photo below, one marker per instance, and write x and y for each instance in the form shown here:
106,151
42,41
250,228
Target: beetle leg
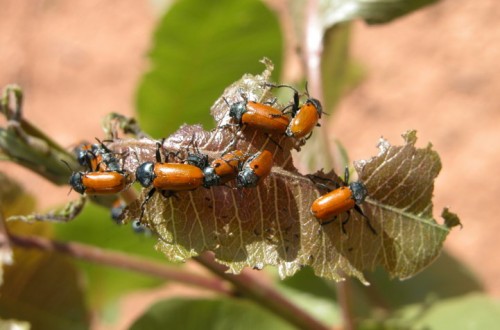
358,209
276,143
145,201
345,223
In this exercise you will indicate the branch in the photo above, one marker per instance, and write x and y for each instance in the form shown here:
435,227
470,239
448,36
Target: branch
264,294
120,260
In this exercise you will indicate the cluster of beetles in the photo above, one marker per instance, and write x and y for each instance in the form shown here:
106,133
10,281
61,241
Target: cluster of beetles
104,173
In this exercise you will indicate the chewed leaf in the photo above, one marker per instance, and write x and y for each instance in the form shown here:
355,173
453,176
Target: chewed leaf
400,182
272,224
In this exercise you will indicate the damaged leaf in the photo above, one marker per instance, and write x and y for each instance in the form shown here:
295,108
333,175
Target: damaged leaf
272,224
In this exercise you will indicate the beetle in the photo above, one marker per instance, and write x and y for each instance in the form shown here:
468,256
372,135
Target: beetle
195,158
304,117
117,210
167,177
254,169
98,183
347,197
223,169
97,157
259,115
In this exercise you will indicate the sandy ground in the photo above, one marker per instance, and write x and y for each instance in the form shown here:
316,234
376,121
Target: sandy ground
434,71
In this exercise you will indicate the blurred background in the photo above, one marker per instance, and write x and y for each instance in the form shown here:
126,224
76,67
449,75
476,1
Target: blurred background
435,71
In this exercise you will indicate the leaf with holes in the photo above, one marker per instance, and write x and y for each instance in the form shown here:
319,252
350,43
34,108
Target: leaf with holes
272,224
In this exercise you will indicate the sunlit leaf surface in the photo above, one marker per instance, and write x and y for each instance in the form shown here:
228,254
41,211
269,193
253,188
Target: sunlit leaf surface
272,224
199,48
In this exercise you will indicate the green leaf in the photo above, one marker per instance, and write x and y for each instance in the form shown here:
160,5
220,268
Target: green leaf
372,11
325,309
306,281
445,278
45,290
473,311
68,212
220,314
334,12
199,48
340,72
13,199
25,144
95,227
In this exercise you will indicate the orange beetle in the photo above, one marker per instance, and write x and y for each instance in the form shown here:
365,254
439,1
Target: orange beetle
255,168
224,169
261,116
97,157
305,117
167,177
98,183
343,199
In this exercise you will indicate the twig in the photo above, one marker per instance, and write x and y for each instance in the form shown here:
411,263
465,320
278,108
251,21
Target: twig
120,260
264,294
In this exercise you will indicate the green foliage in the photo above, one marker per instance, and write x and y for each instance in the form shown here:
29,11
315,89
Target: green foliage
13,198
42,288
340,72
45,290
473,311
445,278
199,48
95,227
219,314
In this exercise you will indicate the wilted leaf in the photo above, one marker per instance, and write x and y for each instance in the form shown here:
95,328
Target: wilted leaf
400,182
220,314
64,214
272,224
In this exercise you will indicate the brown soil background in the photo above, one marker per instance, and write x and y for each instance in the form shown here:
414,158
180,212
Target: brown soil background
435,71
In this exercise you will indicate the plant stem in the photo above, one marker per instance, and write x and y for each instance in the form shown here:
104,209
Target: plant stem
264,294
313,39
120,260
344,300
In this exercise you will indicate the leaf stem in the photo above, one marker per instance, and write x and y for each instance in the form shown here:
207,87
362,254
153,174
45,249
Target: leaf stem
120,260
264,294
